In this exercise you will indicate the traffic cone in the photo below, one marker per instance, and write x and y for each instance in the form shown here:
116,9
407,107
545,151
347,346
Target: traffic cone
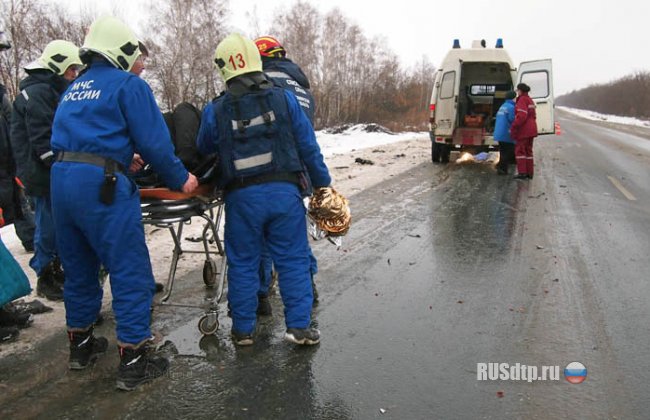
558,129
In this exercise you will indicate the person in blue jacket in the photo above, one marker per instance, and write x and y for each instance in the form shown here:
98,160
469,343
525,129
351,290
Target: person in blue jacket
31,129
261,138
288,75
505,117
104,116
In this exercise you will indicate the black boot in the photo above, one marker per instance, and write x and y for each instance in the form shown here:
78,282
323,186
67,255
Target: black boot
303,336
84,348
138,366
50,283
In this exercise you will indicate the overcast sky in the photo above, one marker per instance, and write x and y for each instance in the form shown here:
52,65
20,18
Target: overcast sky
590,41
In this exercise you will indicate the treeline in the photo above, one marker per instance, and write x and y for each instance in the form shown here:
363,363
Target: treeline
628,96
354,78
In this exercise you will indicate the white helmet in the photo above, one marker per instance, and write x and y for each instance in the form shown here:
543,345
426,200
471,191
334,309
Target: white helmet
114,40
57,56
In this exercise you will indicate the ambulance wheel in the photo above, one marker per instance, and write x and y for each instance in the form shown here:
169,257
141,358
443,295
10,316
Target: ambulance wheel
208,324
435,152
445,152
210,273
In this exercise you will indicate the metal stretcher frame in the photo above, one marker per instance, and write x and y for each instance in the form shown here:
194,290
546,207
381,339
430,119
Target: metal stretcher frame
163,208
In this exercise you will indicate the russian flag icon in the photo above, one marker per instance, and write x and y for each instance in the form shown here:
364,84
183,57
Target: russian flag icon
575,372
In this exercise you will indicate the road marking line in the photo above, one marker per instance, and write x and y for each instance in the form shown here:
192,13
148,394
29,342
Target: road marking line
622,189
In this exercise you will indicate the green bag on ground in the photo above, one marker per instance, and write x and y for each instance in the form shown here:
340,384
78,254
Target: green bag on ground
13,281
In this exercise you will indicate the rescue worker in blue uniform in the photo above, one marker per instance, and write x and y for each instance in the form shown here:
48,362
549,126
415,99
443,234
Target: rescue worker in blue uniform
505,117
288,75
31,128
261,138
285,73
104,116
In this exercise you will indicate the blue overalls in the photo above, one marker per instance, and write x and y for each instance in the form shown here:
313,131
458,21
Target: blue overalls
285,74
108,113
261,139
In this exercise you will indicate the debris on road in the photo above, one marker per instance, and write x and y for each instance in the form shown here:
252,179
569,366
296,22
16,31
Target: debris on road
483,157
362,161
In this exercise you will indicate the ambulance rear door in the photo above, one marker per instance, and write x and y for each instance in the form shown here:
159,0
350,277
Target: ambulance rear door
538,75
447,104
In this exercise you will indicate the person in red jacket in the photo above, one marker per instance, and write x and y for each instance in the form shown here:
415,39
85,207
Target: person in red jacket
523,131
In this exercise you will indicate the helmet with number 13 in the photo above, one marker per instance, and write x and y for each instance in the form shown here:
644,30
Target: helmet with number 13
237,55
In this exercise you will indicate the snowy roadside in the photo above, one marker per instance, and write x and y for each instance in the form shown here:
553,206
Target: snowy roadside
616,119
391,155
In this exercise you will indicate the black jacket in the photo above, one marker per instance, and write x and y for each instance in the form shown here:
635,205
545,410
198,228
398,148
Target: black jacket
31,128
183,123
9,198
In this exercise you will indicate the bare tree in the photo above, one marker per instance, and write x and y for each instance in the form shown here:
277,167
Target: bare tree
184,36
298,29
354,78
628,96
30,25
20,22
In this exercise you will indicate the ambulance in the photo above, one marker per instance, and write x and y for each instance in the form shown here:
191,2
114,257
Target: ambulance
470,86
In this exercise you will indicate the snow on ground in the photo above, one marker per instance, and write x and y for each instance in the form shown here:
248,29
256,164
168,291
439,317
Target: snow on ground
356,137
591,115
391,154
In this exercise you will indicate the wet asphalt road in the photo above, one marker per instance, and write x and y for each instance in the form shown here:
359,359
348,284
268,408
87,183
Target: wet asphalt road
444,267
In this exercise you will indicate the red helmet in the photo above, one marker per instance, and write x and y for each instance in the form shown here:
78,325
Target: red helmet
270,47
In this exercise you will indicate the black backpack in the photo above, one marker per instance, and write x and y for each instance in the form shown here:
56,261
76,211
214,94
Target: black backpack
183,123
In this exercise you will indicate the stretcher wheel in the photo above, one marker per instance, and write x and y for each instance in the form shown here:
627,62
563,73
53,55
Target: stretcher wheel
210,273
209,324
